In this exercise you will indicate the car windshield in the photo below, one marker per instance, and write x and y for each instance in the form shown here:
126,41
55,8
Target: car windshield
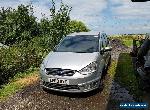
79,44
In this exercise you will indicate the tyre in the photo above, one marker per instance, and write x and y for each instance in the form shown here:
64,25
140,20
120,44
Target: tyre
109,62
101,85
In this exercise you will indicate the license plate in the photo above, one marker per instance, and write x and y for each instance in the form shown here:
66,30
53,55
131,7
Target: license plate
59,81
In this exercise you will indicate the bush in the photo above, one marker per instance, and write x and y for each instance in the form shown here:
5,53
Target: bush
17,59
17,25
29,40
77,26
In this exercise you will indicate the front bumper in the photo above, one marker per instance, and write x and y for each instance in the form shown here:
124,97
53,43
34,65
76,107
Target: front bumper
85,87
76,84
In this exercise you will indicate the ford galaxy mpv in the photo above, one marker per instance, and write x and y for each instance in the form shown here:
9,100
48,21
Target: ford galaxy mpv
77,63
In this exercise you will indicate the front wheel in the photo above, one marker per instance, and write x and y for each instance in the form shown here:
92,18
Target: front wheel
104,72
109,62
101,85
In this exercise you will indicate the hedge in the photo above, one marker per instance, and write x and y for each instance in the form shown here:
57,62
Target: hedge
19,58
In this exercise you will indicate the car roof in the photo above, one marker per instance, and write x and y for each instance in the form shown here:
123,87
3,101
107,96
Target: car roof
84,33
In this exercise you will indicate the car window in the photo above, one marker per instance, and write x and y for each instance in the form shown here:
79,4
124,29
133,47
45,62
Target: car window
82,43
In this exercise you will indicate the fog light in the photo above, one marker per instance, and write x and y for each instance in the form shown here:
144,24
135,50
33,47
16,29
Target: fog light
41,82
84,86
89,86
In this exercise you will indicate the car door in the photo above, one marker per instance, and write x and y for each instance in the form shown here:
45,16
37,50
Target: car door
101,58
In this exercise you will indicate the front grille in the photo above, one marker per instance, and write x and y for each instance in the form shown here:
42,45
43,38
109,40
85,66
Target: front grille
59,72
60,86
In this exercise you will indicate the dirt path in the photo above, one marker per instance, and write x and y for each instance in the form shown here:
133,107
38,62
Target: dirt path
34,98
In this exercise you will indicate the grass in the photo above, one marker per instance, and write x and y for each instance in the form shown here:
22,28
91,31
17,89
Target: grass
112,68
122,71
125,74
127,42
20,81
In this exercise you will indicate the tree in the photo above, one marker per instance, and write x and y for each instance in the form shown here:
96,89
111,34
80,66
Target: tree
60,22
77,26
17,25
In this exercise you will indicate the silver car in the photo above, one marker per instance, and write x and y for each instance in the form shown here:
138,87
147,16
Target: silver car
77,63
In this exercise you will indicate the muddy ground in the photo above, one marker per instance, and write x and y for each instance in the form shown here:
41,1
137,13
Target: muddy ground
34,98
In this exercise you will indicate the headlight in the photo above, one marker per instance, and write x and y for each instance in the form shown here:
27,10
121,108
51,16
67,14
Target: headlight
89,68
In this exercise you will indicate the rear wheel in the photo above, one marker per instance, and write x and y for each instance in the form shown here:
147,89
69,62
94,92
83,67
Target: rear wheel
104,72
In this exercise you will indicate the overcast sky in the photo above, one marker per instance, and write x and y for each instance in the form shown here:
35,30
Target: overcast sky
111,16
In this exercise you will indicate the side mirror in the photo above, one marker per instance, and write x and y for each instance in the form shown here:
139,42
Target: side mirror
107,49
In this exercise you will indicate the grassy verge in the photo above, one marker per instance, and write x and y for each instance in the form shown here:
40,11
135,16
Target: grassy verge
112,68
20,81
125,74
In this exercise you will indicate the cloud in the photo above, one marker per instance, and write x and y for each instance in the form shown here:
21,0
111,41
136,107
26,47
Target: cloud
88,11
13,3
39,7
125,9
112,16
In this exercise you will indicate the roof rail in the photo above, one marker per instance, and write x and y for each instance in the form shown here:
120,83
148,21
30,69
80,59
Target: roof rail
85,33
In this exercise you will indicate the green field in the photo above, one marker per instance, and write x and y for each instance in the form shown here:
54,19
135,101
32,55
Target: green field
127,42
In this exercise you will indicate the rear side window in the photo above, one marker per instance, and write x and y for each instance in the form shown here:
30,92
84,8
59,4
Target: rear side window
104,40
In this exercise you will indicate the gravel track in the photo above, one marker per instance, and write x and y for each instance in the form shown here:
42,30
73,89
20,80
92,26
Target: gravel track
34,98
